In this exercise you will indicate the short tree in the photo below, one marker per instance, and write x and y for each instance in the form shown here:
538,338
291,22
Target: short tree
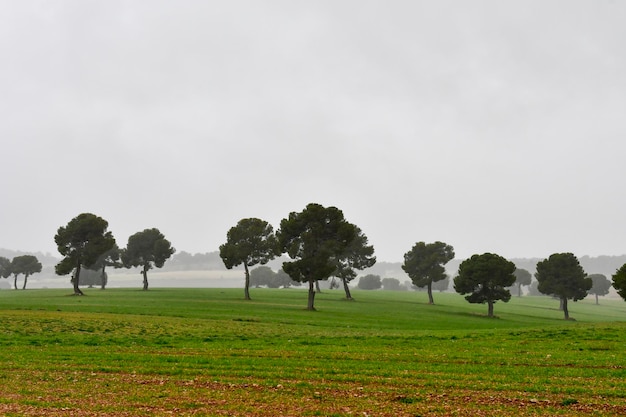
261,275
250,242
146,249
522,277
562,276
619,281
314,238
370,282
424,264
82,242
24,264
600,286
485,278
391,284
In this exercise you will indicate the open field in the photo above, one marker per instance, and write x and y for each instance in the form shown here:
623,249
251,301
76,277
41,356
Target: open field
208,352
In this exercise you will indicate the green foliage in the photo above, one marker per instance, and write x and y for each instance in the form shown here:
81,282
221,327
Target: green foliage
522,277
146,249
370,282
315,239
82,242
26,265
424,264
561,275
5,267
391,284
600,284
619,281
485,278
250,242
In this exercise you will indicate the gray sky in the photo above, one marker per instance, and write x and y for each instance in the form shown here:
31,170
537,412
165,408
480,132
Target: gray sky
494,126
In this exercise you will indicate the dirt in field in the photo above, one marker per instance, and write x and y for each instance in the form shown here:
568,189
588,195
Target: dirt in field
110,394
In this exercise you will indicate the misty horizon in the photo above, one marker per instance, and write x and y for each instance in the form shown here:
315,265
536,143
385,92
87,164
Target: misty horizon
490,126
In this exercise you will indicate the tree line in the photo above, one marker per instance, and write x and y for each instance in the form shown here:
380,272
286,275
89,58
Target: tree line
320,244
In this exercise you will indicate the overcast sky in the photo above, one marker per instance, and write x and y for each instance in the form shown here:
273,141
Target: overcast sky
494,126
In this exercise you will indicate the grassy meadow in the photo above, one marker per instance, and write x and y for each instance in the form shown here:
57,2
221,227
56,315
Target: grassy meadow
174,351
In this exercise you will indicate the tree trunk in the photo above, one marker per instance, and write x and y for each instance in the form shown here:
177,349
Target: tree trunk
490,308
246,290
430,292
597,299
317,286
565,310
519,290
103,278
561,304
347,289
310,305
77,290
25,279
15,281
144,272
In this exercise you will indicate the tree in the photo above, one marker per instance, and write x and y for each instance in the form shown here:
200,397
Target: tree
146,249
522,277
82,242
314,238
485,278
370,282
250,242
283,279
24,264
261,275
5,267
562,276
109,258
357,255
424,264
391,284
600,286
619,281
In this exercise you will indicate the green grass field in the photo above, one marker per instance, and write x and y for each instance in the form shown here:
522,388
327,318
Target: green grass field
209,352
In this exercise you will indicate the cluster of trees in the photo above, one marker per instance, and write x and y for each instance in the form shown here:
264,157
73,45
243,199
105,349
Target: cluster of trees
319,241
323,244
26,265
264,276
86,242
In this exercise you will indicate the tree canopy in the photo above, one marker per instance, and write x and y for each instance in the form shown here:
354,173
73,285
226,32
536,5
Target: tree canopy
600,285
562,275
146,249
82,241
358,255
485,278
424,264
24,264
5,267
619,281
522,277
250,242
370,282
314,238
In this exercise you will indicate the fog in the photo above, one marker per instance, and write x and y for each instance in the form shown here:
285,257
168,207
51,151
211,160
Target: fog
492,126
